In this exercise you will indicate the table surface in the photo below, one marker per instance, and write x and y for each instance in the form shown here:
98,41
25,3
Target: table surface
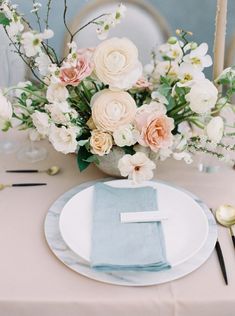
33,282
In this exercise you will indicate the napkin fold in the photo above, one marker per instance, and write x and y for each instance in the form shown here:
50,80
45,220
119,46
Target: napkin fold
126,246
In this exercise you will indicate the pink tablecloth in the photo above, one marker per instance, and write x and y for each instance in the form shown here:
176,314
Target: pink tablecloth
34,283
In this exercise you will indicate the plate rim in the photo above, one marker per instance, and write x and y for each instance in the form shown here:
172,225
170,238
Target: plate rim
60,250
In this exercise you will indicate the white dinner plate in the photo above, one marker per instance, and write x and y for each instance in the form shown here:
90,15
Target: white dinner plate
185,230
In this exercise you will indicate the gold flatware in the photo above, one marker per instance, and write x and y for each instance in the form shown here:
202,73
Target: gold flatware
52,171
4,186
225,215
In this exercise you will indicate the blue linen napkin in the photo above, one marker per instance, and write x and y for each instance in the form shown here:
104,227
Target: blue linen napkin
126,246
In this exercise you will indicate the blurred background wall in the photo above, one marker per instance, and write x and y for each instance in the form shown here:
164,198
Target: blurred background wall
197,16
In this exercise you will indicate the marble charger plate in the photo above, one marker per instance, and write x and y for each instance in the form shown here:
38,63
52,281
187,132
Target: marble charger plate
125,278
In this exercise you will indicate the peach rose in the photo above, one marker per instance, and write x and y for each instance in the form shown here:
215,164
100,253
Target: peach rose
100,142
117,64
73,75
111,109
155,126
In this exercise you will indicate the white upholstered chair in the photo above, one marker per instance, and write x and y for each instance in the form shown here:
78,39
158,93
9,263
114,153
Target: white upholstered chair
143,24
13,68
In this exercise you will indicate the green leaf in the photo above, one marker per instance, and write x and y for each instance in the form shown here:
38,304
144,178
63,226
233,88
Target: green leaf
82,157
83,142
128,150
93,159
3,19
171,103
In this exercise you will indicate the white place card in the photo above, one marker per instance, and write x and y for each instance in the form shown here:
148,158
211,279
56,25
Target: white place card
142,217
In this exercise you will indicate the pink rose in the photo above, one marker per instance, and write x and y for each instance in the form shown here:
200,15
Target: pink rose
155,126
73,75
143,83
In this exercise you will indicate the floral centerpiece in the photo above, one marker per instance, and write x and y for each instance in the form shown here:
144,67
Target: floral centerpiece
101,99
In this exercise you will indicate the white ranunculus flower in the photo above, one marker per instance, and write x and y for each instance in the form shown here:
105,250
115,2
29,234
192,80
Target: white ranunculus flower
6,110
100,142
215,129
202,97
57,93
43,62
117,64
111,109
198,57
41,122
137,167
64,139
125,135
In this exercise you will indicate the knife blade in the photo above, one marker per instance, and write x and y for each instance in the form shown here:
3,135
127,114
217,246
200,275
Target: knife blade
220,257
27,184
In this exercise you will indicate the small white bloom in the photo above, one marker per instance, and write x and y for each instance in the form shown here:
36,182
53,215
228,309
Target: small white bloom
36,7
183,155
198,57
215,129
64,139
57,112
164,153
228,73
32,41
20,86
43,62
158,97
47,34
57,93
110,21
137,167
7,9
14,29
202,97
166,68
125,135
188,73
41,122
5,108
172,51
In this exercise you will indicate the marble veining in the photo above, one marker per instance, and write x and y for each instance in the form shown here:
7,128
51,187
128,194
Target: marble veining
126,278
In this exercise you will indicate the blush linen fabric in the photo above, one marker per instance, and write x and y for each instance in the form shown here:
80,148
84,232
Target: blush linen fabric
35,283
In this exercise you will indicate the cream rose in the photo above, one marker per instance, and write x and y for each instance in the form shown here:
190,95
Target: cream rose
111,109
116,63
100,142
